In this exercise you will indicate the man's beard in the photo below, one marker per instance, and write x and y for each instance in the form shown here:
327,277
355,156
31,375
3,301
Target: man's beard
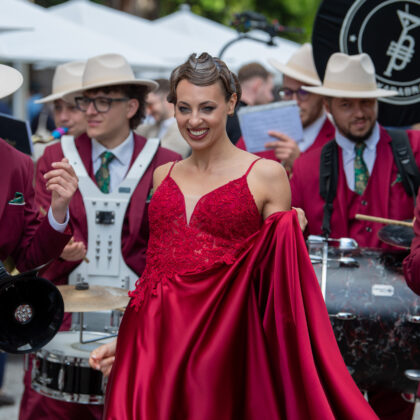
356,139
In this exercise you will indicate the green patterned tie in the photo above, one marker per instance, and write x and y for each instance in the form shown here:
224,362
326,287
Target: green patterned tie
102,175
361,173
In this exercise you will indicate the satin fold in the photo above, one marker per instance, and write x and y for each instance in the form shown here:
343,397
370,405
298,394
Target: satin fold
248,341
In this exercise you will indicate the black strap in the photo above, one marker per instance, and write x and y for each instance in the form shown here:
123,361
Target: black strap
328,179
404,159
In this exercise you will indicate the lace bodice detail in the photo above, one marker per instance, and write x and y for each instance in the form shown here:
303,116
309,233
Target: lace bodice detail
219,225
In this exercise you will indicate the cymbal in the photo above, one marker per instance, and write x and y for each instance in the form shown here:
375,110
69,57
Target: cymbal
96,298
399,236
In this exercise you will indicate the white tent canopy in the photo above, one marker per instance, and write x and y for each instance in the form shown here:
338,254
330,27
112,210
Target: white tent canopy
56,40
213,37
172,48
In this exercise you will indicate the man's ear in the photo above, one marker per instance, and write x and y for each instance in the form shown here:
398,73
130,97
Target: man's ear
327,104
132,107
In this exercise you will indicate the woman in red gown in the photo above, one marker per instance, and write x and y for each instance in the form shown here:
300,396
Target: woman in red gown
227,321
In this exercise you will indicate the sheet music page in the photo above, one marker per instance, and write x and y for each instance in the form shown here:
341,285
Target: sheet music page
256,121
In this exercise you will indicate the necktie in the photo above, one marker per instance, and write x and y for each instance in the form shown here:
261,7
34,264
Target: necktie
361,173
102,175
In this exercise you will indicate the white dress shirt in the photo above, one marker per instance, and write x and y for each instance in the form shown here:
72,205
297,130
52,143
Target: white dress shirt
59,227
119,166
349,154
311,132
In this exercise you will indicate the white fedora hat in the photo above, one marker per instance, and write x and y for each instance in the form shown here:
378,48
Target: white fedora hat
10,80
301,66
350,76
109,70
67,78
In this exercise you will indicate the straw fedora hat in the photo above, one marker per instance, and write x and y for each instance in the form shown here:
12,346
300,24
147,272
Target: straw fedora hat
301,66
109,70
10,80
350,76
67,78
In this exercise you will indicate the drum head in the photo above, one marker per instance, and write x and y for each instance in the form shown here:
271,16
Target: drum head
354,27
399,236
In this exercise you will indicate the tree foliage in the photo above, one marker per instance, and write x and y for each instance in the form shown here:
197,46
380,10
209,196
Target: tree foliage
294,13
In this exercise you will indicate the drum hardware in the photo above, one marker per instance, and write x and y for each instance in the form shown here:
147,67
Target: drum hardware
344,244
343,316
414,319
413,374
343,261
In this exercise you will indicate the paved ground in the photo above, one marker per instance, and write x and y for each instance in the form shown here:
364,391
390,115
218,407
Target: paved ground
13,380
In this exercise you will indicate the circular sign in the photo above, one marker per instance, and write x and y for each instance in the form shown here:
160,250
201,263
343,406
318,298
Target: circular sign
389,31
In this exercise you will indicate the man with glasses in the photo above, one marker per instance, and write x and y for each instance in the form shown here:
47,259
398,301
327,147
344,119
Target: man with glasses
113,103
317,129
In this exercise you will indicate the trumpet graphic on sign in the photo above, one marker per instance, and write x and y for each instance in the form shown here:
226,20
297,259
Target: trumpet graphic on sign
402,51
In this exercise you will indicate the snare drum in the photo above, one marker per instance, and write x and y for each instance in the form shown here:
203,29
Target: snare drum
375,316
61,369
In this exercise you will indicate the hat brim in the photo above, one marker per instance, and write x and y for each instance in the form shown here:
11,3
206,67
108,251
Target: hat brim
10,80
149,84
342,93
293,73
53,97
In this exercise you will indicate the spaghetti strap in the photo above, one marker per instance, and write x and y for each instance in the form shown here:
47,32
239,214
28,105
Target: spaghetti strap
170,170
250,166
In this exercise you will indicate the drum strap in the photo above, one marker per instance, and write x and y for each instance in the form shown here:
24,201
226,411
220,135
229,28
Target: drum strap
328,172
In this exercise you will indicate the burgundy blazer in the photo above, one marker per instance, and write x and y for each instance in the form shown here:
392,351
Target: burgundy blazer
136,226
326,134
22,236
412,262
384,195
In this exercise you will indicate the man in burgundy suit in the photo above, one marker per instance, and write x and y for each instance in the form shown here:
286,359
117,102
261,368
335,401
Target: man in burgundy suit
368,180
114,104
22,237
412,262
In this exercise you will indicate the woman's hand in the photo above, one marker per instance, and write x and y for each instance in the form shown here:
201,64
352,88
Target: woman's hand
103,357
303,221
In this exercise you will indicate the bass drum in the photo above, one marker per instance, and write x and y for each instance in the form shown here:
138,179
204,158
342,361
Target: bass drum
375,316
61,369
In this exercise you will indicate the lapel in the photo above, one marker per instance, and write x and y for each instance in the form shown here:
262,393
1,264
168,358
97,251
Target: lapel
137,206
380,179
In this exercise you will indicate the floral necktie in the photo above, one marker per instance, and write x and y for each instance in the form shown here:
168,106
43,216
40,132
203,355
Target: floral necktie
361,173
102,175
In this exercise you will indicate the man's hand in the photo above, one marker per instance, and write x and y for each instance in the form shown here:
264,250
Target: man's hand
285,148
303,221
62,182
103,357
74,251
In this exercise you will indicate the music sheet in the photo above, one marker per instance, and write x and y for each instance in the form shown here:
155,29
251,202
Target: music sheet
256,121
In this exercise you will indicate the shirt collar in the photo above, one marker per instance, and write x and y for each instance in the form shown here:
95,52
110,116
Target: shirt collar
166,123
348,145
123,152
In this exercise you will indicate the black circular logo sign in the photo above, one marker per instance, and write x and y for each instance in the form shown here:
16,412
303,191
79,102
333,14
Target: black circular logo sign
389,31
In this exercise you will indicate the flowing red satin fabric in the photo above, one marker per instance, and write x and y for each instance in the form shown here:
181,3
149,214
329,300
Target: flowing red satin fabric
246,339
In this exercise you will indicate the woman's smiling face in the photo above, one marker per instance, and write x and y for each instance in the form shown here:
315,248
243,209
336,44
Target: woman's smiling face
201,113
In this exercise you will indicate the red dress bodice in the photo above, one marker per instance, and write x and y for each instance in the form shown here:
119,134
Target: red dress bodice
215,234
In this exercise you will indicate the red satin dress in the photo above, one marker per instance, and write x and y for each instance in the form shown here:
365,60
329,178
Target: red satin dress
227,322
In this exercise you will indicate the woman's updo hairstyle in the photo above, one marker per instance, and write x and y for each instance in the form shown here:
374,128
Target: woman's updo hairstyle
204,71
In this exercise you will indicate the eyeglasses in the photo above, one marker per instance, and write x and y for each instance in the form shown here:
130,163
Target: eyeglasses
287,94
101,103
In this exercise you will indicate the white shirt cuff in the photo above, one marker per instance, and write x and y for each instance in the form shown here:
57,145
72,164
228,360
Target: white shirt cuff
59,227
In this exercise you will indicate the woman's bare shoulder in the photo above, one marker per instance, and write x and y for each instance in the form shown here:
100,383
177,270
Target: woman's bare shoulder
160,173
270,170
